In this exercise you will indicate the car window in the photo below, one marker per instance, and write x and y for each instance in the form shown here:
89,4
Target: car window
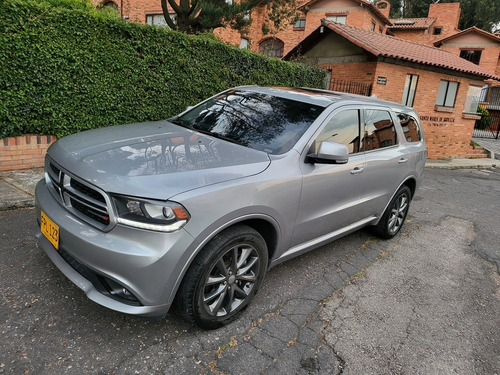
259,121
410,127
342,128
380,131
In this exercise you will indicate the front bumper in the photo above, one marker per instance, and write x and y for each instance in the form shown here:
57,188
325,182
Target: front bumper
147,264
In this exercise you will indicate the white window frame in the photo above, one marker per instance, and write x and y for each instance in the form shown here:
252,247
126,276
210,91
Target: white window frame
448,92
158,20
339,18
244,44
410,90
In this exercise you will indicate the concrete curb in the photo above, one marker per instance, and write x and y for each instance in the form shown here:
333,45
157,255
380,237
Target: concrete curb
463,164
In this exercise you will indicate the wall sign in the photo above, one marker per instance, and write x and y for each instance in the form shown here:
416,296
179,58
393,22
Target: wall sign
382,81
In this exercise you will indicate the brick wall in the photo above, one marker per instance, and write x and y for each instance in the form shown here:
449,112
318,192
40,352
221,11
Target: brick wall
24,152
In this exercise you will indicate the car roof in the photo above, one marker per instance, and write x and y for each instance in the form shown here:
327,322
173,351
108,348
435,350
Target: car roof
323,98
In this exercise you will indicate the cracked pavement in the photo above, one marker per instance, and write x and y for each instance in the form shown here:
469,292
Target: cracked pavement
424,302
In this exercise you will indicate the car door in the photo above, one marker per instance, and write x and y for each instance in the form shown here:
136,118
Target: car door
386,158
331,192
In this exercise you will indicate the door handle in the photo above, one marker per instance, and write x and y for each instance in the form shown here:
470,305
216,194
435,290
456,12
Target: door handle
357,170
402,161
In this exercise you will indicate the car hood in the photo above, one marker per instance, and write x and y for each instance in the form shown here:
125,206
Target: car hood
154,160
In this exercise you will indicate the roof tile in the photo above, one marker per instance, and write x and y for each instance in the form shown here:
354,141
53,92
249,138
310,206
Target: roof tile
389,46
411,23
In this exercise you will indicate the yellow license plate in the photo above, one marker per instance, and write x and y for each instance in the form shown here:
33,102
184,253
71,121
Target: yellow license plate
50,230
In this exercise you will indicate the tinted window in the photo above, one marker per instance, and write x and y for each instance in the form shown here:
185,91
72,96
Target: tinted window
410,127
342,128
379,130
259,121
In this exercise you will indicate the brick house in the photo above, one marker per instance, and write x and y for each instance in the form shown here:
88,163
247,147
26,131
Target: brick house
259,39
435,82
443,21
481,48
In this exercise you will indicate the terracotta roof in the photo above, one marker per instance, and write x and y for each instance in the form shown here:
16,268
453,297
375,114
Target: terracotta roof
473,29
373,8
411,23
388,46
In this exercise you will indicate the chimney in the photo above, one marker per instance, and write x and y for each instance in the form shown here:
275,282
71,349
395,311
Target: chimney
385,8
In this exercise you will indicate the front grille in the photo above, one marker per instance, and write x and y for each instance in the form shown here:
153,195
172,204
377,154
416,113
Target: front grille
82,199
87,190
91,212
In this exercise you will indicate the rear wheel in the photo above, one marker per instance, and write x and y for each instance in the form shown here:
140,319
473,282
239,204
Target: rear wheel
395,215
223,278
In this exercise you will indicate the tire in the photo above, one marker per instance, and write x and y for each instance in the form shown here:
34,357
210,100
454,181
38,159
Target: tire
395,214
223,278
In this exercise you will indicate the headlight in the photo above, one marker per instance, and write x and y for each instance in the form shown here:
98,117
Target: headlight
151,215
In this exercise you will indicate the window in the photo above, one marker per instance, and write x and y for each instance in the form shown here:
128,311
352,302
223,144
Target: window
379,130
158,20
410,127
437,31
338,18
300,24
272,47
474,56
342,128
245,44
473,99
447,94
374,26
410,90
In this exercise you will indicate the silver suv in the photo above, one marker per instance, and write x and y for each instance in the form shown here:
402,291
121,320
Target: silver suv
193,211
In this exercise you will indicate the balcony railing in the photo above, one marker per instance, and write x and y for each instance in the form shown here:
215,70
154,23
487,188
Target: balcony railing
491,96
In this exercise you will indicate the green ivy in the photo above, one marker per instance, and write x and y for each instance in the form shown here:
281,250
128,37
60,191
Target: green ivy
67,69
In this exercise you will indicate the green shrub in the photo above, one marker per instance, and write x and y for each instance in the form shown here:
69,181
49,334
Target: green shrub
67,70
486,120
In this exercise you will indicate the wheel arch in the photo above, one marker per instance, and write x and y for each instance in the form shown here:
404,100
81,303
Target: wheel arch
412,185
266,226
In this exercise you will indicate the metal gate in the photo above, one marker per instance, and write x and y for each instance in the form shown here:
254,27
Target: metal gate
488,126
351,87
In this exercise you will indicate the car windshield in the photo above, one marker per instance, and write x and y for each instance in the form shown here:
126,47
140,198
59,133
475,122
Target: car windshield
256,120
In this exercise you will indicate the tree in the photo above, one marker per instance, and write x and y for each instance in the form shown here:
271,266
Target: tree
483,14
194,16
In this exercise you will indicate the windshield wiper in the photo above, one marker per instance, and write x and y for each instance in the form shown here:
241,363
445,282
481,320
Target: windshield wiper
219,136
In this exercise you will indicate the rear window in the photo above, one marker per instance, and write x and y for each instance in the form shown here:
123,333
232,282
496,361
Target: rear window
380,131
259,121
410,127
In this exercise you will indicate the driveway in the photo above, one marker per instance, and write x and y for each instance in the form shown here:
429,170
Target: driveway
424,302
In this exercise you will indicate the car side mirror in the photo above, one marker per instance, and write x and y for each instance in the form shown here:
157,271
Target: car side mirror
329,153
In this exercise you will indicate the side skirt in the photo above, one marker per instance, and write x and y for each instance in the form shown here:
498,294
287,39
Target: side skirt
320,241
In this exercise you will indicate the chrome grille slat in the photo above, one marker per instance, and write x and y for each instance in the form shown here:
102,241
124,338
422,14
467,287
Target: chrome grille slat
86,199
103,211
83,200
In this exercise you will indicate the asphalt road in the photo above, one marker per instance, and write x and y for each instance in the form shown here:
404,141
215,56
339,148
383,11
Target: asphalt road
424,302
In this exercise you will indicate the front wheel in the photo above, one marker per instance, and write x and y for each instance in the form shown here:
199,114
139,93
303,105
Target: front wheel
223,278
395,215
